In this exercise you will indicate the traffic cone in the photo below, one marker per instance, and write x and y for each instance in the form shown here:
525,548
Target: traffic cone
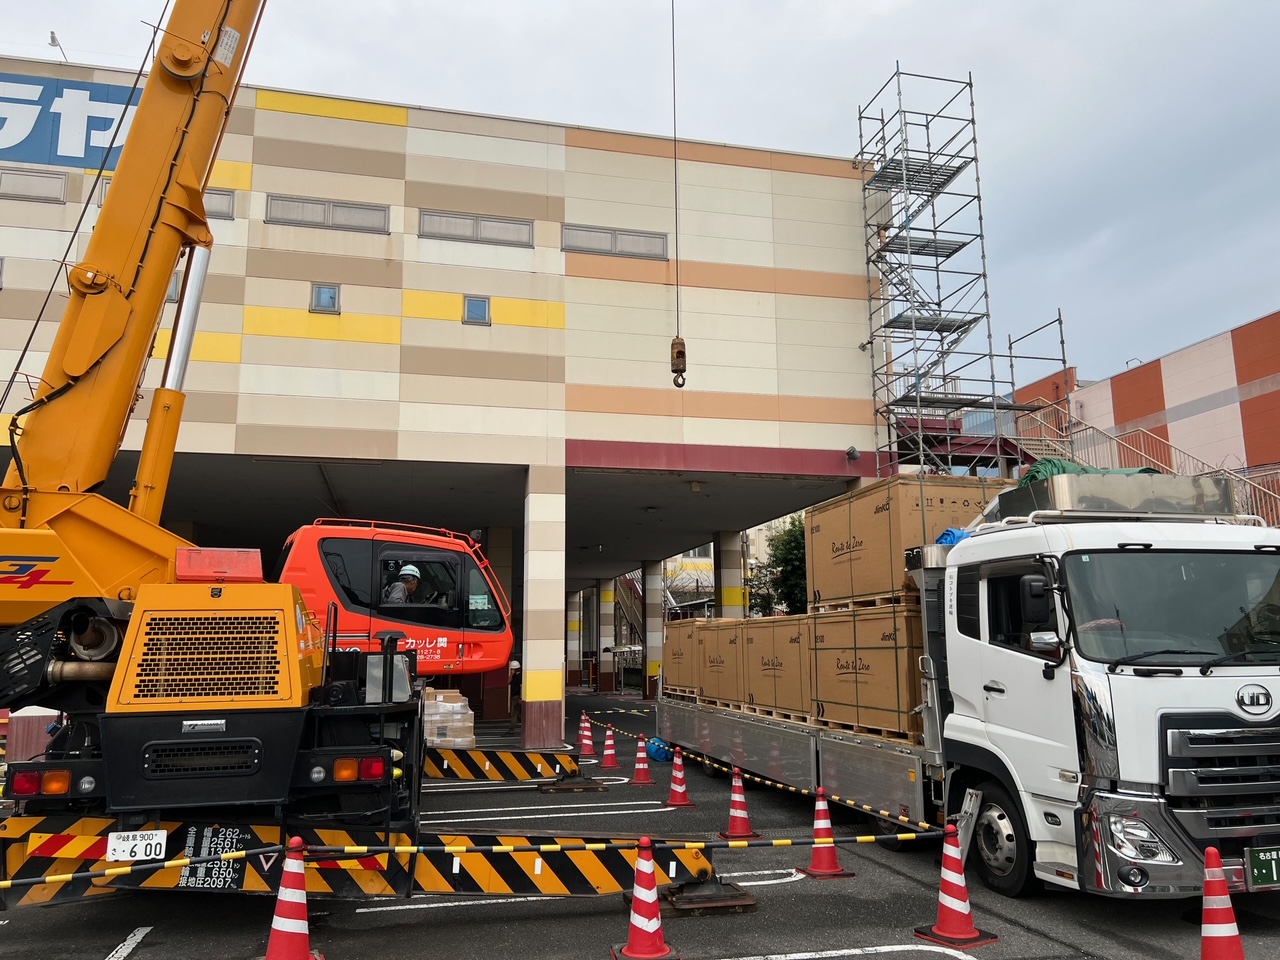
679,795
955,920
290,936
585,747
825,863
739,822
644,936
1219,935
641,776
610,759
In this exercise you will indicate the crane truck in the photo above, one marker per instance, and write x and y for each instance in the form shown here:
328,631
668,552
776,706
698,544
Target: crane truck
1097,681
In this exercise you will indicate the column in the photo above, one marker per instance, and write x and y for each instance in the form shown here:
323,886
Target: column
606,634
544,614
727,550
575,675
499,550
653,626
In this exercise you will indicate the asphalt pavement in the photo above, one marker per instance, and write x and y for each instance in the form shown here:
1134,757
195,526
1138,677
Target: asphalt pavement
797,918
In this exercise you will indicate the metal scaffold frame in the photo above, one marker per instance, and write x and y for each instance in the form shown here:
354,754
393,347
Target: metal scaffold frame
941,401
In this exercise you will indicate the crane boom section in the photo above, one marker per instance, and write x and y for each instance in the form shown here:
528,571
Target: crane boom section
153,210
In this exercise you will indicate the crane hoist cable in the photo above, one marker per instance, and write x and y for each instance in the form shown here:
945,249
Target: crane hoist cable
679,363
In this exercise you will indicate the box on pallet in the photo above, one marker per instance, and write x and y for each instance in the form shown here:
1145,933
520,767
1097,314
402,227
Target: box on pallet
447,719
680,654
720,669
777,657
866,668
854,544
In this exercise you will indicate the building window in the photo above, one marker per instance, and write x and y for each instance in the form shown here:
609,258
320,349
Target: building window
480,229
324,298
220,204
175,287
334,214
1,273
700,553
476,310
620,243
32,185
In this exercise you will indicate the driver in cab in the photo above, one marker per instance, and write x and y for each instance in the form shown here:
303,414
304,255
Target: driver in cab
402,589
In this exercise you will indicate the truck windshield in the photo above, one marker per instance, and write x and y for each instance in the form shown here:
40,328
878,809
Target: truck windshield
1175,607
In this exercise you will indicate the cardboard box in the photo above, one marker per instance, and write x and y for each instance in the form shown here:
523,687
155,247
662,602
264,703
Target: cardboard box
721,665
866,668
827,551
777,663
680,654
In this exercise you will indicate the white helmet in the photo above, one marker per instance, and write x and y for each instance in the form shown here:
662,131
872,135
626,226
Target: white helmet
514,665
409,570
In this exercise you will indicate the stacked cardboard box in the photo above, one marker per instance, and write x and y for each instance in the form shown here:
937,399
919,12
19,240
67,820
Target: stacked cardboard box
866,668
776,662
681,655
720,667
854,544
447,720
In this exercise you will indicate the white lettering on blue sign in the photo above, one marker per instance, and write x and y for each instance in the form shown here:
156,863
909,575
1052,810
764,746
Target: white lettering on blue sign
64,123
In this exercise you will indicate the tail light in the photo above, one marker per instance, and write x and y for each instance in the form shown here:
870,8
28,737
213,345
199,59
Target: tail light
26,783
35,783
351,769
373,768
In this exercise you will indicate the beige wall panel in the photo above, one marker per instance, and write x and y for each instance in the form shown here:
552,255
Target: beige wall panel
357,298
547,234
329,130
449,335
466,146
298,352
467,448
19,310
1205,368
498,365
815,210
627,216
811,333
497,203
645,296
484,421
221,289
590,343
292,182
290,265
205,375
341,384
613,319
610,164
277,292
134,431
817,383
327,157
592,186
826,436
197,437
619,373
825,309
480,391
493,283
1215,436
710,327
784,183
634,429
752,253
22,273
822,259
830,359
731,433
242,115
700,223
329,243
725,176
200,407
236,147
309,412
221,317
1092,404
806,233
482,256
723,378
33,244
229,260
718,200
493,176
15,214
483,126
316,441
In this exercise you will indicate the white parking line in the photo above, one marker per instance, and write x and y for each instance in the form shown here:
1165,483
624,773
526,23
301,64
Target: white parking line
451,903
547,816
562,806
860,952
755,873
131,941
795,875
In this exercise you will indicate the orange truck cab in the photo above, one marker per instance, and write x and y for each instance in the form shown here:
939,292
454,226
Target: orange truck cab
453,614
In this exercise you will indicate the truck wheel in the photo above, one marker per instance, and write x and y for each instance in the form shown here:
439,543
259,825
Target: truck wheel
1000,851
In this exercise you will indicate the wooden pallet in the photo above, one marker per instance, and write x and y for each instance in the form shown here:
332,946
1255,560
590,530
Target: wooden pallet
900,599
881,732
774,714
722,704
680,691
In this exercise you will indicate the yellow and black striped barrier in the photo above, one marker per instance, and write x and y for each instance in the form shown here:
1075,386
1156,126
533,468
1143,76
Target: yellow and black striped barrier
136,868
497,765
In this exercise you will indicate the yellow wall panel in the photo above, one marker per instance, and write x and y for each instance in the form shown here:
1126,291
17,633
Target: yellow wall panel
232,175
428,305
286,322
332,107
543,685
207,347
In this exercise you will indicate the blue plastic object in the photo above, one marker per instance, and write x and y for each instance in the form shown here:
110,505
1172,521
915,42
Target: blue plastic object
660,751
952,535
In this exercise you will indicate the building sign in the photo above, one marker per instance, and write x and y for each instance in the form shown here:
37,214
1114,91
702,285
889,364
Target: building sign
64,123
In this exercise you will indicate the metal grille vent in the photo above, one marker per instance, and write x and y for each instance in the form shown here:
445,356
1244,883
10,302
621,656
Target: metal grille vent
220,758
185,657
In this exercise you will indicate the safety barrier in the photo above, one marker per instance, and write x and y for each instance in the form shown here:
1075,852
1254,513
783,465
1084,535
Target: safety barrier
139,868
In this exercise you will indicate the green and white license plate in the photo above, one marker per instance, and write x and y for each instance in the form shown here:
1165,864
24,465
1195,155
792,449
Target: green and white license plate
1262,868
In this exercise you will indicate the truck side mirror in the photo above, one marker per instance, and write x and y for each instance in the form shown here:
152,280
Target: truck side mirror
1037,605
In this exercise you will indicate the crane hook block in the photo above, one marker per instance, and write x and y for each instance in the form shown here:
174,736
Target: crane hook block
678,363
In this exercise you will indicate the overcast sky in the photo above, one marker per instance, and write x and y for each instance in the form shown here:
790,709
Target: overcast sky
1128,148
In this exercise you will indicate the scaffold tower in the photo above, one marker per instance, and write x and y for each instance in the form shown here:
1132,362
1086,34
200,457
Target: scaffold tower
941,405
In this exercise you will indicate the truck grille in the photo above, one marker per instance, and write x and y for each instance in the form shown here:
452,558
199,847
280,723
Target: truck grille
1222,780
212,758
185,657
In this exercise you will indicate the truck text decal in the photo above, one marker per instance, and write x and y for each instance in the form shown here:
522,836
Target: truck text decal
27,572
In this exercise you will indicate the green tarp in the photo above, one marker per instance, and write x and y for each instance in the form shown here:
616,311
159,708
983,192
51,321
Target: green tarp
1053,467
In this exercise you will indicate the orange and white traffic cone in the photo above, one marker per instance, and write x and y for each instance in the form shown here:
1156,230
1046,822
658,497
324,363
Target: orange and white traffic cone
1219,935
825,863
739,821
644,936
290,936
955,920
610,759
679,795
585,747
641,776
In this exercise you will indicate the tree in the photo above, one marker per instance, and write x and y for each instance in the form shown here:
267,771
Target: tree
780,580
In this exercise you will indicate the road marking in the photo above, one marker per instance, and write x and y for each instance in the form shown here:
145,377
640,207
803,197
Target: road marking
561,806
755,873
795,875
452,903
131,941
859,952
544,816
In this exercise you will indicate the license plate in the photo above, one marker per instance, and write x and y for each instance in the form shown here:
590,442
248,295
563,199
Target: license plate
137,845
1262,868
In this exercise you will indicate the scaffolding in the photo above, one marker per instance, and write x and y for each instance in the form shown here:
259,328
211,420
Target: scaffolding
942,403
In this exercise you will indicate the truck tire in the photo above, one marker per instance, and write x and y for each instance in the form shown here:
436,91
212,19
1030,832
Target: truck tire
1000,852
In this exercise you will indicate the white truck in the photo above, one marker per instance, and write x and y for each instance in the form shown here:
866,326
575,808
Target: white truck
1102,664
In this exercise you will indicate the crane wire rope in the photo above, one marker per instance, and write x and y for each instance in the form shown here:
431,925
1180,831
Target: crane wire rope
678,357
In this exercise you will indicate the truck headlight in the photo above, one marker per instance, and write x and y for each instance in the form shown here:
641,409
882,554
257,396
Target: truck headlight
1135,840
